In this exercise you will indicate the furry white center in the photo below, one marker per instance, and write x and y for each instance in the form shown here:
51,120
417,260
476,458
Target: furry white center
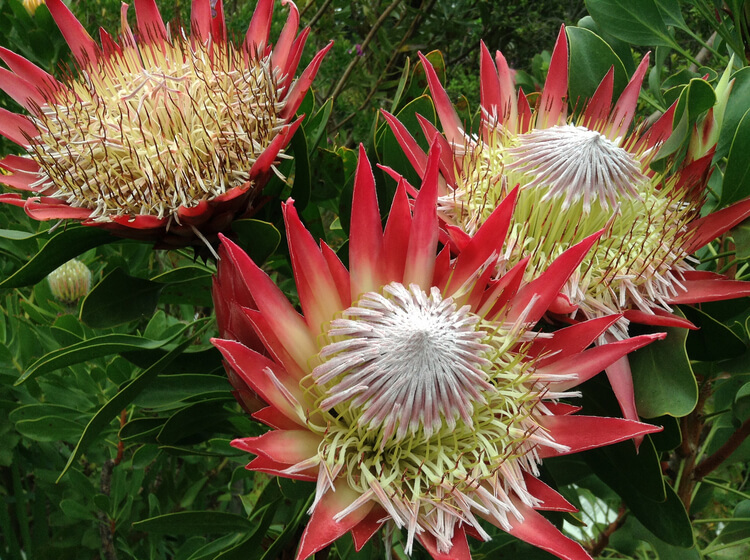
402,360
575,163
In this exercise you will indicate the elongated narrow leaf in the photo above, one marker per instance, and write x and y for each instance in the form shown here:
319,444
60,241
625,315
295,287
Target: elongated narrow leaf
105,306
64,246
126,395
302,186
96,347
737,173
194,523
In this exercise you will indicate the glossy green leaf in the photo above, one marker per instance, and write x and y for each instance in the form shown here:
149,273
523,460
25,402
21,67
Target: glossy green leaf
62,247
736,185
16,235
632,473
302,186
96,347
197,420
259,239
590,60
621,48
141,430
671,13
131,390
741,405
119,298
316,126
50,428
195,523
635,531
741,236
713,340
662,376
168,389
45,410
735,111
697,98
639,22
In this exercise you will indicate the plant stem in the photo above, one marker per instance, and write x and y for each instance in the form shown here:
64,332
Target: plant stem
106,526
722,454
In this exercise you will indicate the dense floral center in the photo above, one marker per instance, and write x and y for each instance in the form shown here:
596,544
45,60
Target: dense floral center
425,408
574,163
156,128
405,361
575,182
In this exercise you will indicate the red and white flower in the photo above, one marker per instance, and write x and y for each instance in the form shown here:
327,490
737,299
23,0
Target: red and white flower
412,388
163,136
579,175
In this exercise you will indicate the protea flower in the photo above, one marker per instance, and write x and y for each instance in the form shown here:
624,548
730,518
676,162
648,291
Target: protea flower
413,389
578,175
163,136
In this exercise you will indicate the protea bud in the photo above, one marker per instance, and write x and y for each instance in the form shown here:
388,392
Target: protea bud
70,282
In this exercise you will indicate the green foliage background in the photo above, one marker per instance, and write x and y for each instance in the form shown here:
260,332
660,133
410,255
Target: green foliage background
115,413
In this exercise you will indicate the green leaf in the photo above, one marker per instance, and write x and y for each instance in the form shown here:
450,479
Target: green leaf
741,405
105,306
36,411
639,22
141,430
317,125
195,523
735,111
633,529
76,510
590,60
169,389
16,235
259,239
197,420
662,376
670,11
621,48
86,350
736,185
697,98
713,341
741,236
50,428
62,247
302,185
126,395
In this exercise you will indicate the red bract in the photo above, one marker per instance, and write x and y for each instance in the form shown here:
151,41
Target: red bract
576,177
413,388
161,136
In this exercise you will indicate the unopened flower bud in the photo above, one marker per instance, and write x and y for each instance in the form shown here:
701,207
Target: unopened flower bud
70,282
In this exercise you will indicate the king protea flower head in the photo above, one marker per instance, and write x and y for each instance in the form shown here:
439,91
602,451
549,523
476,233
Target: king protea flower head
413,389
162,136
578,176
